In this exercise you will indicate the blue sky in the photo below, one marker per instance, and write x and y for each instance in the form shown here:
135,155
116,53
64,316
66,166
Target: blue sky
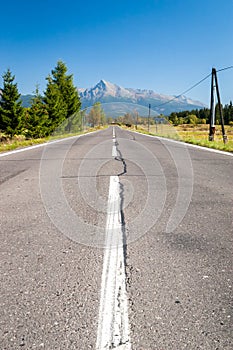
163,45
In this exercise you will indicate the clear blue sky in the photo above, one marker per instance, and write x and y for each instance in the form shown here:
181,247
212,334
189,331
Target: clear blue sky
163,45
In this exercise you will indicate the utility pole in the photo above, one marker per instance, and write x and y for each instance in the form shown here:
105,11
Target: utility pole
149,118
212,108
214,85
136,120
224,136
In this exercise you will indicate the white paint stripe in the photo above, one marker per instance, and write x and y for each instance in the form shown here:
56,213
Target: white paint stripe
114,148
113,325
4,154
114,151
202,148
22,150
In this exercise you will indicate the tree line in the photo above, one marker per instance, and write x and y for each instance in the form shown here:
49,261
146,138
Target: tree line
202,116
194,117
59,108
56,106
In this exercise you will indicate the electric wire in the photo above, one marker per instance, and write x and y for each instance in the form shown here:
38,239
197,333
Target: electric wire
189,89
226,68
182,93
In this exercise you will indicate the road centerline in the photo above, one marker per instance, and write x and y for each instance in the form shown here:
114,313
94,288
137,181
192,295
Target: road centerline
114,151
113,324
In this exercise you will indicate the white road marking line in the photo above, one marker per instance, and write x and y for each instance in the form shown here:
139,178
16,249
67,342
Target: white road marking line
28,148
113,325
114,150
22,150
202,148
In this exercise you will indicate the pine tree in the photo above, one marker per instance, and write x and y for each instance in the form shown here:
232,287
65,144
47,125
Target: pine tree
228,113
11,110
55,105
230,109
71,97
35,123
61,96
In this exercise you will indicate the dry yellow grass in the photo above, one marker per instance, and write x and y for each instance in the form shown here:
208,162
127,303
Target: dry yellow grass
195,134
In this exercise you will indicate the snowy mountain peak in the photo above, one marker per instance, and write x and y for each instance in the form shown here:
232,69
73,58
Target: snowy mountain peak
105,89
110,89
107,92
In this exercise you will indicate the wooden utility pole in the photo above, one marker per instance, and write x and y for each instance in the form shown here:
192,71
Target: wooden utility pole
212,108
149,118
214,85
136,120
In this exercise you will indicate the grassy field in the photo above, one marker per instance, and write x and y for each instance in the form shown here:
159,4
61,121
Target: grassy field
18,142
195,134
7,144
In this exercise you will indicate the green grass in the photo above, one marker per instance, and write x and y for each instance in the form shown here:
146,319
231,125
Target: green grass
20,141
13,144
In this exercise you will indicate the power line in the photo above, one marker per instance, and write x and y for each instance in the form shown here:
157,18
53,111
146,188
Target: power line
220,70
192,87
184,92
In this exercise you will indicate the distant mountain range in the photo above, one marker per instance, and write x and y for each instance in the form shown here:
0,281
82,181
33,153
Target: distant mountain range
117,100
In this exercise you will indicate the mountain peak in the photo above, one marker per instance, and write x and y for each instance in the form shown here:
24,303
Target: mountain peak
107,92
108,85
103,82
106,89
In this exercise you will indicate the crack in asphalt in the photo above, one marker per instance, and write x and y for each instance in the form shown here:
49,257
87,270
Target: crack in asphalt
122,198
7,178
121,159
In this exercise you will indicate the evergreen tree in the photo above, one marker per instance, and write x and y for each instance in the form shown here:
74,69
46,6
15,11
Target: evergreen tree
71,97
11,110
61,96
35,123
228,113
55,105
68,91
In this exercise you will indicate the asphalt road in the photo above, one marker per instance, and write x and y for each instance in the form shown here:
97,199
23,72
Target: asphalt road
176,218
